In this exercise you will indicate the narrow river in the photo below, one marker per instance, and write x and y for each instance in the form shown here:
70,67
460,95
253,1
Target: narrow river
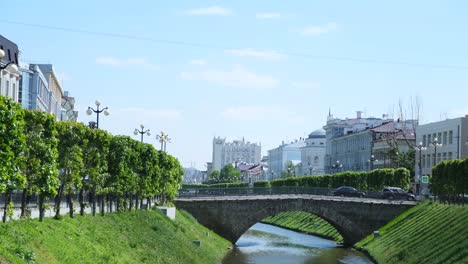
266,244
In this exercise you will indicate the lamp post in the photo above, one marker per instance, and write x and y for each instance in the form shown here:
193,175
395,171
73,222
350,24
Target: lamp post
98,111
311,168
142,132
371,161
163,139
436,144
420,148
337,166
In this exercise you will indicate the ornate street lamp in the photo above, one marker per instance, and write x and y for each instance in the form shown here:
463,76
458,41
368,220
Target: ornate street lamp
337,166
142,132
163,139
91,110
436,144
371,161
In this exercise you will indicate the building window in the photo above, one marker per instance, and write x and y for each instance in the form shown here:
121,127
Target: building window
444,155
429,140
423,160
450,155
444,140
450,137
7,88
439,155
424,141
439,137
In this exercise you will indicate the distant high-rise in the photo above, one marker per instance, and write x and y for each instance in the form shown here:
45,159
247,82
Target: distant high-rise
235,151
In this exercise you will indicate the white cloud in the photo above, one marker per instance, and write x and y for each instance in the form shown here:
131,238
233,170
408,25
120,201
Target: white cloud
318,30
306,85
152,114
199,62
268,15
238,77
264,54
117,62
210,11
260,113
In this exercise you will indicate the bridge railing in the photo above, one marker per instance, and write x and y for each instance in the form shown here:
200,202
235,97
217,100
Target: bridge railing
242,191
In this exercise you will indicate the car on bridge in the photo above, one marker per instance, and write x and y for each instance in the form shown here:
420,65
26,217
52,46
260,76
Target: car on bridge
348,192
397,193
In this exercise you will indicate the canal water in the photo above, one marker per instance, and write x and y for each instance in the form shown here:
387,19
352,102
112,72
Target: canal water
266,244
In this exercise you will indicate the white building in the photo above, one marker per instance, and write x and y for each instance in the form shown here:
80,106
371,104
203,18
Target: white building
337,132
313,154
452,143
9,76
278,157
235,151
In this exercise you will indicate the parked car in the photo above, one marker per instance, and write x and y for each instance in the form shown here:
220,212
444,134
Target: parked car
397,193
348,191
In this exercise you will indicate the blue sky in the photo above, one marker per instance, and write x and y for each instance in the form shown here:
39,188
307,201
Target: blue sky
264,70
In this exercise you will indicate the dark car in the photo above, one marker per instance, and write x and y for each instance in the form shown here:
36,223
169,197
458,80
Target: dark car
397,193
348,191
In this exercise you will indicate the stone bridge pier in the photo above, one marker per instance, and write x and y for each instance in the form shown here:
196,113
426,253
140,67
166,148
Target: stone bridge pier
354,218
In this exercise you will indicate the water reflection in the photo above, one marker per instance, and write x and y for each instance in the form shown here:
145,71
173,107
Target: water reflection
269,245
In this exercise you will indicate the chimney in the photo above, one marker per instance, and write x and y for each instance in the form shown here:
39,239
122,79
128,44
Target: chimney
358,114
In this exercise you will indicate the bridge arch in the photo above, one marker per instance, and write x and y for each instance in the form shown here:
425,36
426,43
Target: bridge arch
354,218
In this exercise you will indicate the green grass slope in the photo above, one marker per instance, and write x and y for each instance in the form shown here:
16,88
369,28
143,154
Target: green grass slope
133,237
305,223
428,233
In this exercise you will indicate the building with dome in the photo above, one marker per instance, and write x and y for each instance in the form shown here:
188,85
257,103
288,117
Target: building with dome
313,154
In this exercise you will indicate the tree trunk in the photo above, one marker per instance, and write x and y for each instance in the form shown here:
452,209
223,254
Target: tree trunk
24,202
130,207
136,201
148,203
82,203
103,205
94,202
41,207
70,204
58,200
7,203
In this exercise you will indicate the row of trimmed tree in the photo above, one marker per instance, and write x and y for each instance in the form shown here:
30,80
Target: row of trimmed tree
45,158
374,180
449,179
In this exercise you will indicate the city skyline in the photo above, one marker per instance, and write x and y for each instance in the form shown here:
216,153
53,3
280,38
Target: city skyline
196,71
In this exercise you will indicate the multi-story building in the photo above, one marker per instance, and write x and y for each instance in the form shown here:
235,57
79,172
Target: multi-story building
278,157
68,107
9,76
362,144
313,154
391,139
235,151
40,90
337,130
444,140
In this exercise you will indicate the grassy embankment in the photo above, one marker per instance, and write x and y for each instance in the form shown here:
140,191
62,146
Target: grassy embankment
427,233
132,237
305,223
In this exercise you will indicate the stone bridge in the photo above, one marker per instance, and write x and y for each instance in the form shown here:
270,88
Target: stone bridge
232,216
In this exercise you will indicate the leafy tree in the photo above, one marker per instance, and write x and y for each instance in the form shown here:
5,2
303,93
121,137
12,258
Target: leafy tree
170,176
41,159
72,138
94,174
229,174
148,181
214,175
290,170
12,148
121,181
